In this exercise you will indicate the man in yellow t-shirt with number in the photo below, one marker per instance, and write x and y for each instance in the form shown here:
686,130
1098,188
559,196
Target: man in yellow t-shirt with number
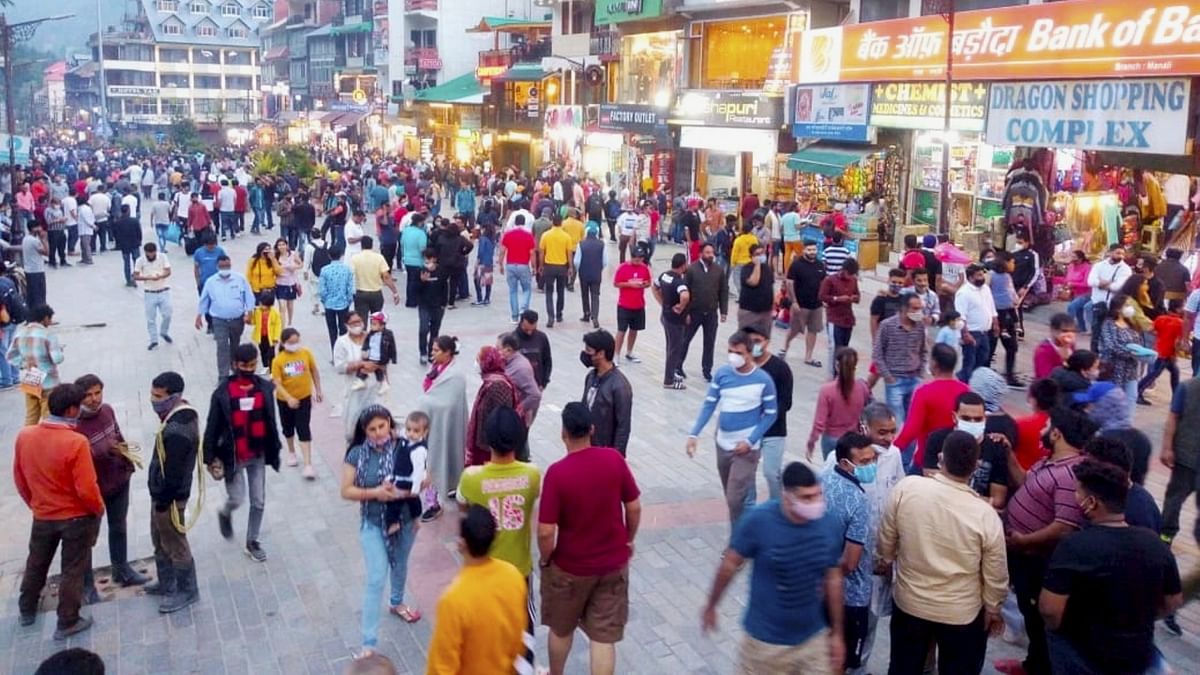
556,250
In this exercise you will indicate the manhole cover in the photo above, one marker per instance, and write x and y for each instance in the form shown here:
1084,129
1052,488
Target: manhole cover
105,586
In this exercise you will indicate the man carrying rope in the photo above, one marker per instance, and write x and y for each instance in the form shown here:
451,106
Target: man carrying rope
177,445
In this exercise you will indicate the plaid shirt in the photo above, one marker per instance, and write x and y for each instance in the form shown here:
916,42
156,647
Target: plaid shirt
34,342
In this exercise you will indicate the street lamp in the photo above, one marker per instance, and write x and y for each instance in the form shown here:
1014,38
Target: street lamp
10,33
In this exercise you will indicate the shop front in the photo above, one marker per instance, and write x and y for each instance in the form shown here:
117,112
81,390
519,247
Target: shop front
518,96
450,115
729,143
562,137
625,144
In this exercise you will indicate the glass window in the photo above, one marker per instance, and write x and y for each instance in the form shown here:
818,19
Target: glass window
355,45
648,68
237,30
230,9
972,5
168,55
737,53
178,81
206,55
238,82
261,12
881,10
208,81
234,57
206,29
167,5
141,106
198,8
172,28
175,107
576,17
354,7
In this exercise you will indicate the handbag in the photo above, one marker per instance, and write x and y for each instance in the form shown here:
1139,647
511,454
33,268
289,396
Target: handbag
174,233
31,381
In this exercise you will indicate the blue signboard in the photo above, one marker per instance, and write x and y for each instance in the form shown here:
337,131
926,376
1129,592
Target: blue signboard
836,112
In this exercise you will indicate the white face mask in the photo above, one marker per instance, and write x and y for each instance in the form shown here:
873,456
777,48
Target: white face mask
760,259
1127,312
917,316
974,428
737,360
355,330
292,347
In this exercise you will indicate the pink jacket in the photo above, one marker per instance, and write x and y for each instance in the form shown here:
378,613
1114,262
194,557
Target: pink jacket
1077,276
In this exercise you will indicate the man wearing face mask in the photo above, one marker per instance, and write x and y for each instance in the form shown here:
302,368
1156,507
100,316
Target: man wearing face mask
849,507
747,402
951,576
790,626
241,439
169,477
756,302
227,298
1038,519
775,438
98,423
973,301
804,278
990,478
708,289
606,392
900,352
152,269
1105,278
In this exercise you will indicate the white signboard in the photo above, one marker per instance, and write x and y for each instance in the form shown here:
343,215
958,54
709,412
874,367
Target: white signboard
118,90
1146,116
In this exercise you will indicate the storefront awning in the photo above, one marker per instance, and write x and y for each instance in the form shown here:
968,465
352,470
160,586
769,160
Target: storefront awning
462,89
360,27
492,24
522,73
345,119
828,159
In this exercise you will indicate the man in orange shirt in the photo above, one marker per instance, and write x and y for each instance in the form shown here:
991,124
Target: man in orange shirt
53,471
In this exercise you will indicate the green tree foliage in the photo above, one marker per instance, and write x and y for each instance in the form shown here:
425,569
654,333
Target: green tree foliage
279,160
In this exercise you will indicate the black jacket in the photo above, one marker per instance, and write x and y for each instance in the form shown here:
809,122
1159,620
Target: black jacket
387,348
611,404
128,233
452,248
536,348
709,288
172,481
218,430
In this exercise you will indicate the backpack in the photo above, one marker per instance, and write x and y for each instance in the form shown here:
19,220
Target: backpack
11,302
320,259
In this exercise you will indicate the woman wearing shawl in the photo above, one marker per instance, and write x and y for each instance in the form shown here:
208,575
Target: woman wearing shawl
497,391
369,461
347,360
445,401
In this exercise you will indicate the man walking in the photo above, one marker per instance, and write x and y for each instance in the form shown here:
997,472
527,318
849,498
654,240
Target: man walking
587,522
535,346
101,204
226,298
515,254
34,245
335,286
169,478
371,275
671,292
975,304
591,257
1105,278
1180,453
152,269
606,393
793,619
900,354
413,242
631,279
839,293
54,474
804,277
746,399
775,438
227,210
241,439
555,252
127,232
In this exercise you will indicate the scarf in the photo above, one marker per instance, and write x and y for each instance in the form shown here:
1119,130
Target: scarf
497,391
433,373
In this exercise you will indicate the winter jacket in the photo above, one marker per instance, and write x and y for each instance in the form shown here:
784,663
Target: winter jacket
172,481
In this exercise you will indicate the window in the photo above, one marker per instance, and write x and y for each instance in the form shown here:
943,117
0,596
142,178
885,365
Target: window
177,81
354,7
198,7
172,28
882,10
261,12
167,5
207,106
206,29
230,9
736,53
141,106
355,45
241,82
135,52
207,56
208,81
576,17
133,78
397,87
175,107
972,5
234,57
168,55
237,30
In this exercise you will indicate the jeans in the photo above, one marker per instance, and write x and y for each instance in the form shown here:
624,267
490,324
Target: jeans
250,478
367,302
1008,320
429,322
412,284
589,295
828,444
899,395
708,322
35,289
160,230
520,280
57,240
772,463
1180,486
975,356
375,555
116,509
737,479
961,649
8,374
228,224
1131,396
260,218
1078,308
1025,573
158,304
85,248
102,234
335,322
1160,364
128,258
228,334
72,238
1195,356
555,277
483,294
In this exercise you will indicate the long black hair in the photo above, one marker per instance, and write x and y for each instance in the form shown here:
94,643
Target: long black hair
368,415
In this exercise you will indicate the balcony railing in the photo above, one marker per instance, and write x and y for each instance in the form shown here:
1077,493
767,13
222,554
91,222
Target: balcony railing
420,5
424,58
605,43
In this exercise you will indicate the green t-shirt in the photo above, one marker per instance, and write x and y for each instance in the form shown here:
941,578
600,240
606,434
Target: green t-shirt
510,492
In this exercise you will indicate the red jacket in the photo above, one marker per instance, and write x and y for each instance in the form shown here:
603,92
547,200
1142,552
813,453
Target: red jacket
54,474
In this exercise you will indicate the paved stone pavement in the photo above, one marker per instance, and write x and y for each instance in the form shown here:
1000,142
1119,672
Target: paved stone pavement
299,611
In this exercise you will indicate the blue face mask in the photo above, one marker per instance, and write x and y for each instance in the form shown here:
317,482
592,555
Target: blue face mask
866,474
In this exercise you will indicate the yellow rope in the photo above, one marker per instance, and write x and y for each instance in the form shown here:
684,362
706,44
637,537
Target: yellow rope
176,519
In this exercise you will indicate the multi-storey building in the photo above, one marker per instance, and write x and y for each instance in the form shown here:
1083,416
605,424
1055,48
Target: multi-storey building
184,58
285,80
429,41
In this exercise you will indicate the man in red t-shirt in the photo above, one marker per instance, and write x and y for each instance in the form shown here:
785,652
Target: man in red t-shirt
516,250
632,278
587,521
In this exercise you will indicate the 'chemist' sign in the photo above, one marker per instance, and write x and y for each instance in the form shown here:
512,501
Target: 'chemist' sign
1147,116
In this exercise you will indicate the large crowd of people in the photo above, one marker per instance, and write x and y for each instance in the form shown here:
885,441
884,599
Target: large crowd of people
931,502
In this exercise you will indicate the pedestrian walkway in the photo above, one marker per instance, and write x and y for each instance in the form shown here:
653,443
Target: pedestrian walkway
298,612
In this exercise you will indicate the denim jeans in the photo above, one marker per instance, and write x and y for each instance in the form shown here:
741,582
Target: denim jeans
158,305
1160,364
1131,394
249,479
160,231
520,280
229,221
1078,308
375,555
899,395
8,374
974,356
260,218
772,463
128,258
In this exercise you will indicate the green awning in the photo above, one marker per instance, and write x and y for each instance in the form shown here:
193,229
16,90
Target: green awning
522,73
828,159
491,24
361,27
462,89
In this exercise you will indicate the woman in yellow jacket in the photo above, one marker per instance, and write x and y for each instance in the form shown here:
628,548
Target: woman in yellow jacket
262,269
268,326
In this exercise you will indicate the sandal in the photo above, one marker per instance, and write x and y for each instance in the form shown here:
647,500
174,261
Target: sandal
407,613
814,363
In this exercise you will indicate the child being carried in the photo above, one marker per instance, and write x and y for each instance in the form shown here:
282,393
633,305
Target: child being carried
379,349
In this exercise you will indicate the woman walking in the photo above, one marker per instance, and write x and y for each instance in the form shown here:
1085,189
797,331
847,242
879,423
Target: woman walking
445,401
1117,333
497,391
840,403
287,282
370,461
262,270
297,387
484,261
347,361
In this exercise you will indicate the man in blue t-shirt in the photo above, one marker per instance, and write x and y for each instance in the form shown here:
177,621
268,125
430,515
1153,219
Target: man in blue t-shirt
204,260
793,620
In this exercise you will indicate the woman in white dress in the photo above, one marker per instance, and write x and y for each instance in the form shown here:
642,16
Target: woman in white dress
347,359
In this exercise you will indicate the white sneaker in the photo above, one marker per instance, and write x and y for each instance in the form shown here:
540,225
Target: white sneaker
293,460
359,384
310,473
384,387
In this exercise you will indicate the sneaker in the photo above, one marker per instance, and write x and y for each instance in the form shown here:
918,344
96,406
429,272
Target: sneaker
82,624
293,460
431,514
424,361
152,347
309,472
255,551
1172,626
384,387
680,374
359,384
225,524
167,338
632,359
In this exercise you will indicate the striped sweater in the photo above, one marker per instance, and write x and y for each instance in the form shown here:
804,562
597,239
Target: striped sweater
747,405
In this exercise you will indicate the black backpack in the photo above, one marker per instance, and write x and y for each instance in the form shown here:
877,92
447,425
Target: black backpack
320,259
10,299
